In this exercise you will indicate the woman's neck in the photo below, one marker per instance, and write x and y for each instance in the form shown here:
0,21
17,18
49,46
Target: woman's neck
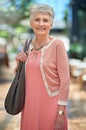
42,40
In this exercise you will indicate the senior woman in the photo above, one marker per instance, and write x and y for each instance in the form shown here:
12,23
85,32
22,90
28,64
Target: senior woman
47,75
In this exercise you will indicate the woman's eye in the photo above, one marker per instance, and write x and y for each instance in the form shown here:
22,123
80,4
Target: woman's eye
36,19
45,20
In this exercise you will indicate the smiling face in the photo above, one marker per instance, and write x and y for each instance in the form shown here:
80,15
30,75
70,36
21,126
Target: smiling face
41,24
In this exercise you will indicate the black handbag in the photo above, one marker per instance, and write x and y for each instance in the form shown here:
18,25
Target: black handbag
15,98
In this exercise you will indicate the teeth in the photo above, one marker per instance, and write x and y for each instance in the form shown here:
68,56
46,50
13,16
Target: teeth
41,29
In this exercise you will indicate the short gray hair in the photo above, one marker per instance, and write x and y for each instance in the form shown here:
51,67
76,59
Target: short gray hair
41,8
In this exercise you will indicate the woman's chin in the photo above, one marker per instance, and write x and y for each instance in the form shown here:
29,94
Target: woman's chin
41,33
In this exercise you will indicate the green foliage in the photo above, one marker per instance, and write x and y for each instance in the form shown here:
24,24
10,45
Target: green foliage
12,2
77,50
23,7
20,29
4,34
65,15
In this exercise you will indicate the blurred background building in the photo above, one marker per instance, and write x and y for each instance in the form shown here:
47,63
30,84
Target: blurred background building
78,20
70,26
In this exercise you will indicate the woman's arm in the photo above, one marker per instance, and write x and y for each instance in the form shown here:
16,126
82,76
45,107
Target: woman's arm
63,72
20,57
64,77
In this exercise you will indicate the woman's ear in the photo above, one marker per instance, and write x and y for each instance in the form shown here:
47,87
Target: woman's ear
51,24
30,23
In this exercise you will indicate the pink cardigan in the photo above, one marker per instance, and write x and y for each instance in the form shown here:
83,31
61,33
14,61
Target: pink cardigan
54,68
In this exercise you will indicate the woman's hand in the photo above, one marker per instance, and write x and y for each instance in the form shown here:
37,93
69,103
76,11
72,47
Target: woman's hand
22,56
59,122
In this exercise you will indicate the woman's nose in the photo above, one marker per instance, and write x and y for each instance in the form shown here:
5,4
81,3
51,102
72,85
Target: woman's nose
41,22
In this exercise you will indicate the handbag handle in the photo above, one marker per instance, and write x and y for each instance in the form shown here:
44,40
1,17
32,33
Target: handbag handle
27,44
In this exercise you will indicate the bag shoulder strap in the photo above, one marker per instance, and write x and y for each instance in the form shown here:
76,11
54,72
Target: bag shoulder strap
27,44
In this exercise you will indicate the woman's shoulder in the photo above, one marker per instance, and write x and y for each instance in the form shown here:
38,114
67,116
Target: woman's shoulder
57,42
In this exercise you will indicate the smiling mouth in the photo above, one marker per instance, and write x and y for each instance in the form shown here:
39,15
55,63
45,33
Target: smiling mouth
41,29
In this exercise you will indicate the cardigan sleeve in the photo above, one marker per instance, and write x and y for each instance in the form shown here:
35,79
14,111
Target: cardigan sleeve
63,72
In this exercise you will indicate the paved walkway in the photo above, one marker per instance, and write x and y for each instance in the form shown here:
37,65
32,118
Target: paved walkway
76,105
77,108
